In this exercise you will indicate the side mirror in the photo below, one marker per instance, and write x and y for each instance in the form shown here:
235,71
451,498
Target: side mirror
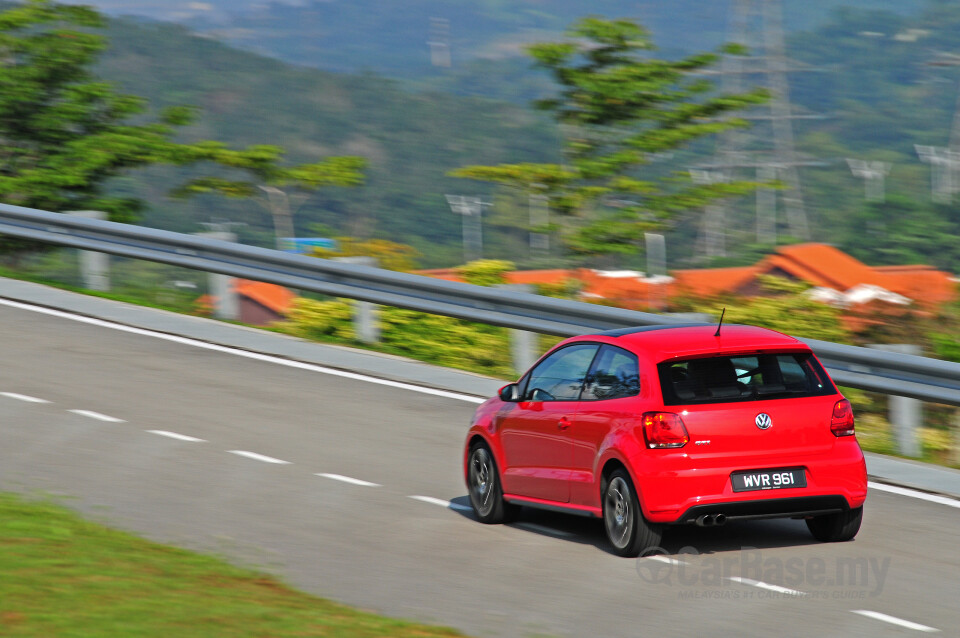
510,393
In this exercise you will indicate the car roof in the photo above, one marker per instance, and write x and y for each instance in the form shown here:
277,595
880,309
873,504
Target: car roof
693,340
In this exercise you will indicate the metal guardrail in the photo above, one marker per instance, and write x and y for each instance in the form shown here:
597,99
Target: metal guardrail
880,371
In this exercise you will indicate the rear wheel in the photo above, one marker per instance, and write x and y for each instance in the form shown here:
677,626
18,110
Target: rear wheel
836,528
628,531
483,482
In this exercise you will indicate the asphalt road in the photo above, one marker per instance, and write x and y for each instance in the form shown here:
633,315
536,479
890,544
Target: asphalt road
126,458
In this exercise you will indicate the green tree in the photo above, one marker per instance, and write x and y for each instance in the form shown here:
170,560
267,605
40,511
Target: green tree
619,108
272,184
64,134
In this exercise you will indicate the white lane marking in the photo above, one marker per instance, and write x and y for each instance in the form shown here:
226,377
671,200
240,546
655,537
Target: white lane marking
243,353
664,559
348,479
258,457
767,586
894,620
542,529
923,496
96,415
23,397
179,437
443,503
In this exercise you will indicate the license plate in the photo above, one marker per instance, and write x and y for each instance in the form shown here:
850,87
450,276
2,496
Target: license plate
768,480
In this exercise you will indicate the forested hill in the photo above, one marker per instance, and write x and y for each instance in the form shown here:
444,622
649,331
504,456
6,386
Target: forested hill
391,37
884,83
411,140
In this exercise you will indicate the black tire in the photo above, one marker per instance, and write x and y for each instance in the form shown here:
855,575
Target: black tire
836,528
483,485
627,530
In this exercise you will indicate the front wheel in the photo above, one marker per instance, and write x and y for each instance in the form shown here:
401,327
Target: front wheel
483,482
628,531
836,528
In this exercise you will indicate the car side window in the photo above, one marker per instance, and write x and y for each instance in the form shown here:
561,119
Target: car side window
615,374
560,376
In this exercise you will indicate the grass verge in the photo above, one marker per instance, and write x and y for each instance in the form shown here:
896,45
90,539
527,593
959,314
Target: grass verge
65,576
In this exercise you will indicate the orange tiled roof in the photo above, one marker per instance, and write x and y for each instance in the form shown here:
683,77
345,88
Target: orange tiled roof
708,282
276,298
821,265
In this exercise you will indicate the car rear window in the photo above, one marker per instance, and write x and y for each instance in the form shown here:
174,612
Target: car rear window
753,377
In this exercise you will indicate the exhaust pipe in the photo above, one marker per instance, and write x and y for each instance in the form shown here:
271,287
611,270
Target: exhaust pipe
710,520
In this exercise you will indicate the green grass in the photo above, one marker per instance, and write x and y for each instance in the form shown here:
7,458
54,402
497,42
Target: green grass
61,575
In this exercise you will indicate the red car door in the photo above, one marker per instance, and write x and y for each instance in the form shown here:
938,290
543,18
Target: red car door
608,402
535,432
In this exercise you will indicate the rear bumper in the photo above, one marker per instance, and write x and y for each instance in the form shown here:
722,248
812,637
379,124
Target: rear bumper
799,506
671,486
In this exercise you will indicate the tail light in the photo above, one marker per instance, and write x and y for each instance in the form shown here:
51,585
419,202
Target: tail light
842,422
664,430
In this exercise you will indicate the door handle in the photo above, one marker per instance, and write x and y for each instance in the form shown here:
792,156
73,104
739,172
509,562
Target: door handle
564,423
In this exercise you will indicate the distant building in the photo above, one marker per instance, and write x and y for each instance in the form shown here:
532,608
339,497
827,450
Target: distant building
835,277
261,304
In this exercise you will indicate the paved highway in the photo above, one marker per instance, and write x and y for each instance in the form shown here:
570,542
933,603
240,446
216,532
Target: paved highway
352,490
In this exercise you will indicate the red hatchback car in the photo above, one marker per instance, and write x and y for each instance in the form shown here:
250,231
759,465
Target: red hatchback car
647,427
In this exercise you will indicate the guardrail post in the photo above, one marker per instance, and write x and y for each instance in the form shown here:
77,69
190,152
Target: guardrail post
226,305
523,343
366,324
955,439
905,414
94,267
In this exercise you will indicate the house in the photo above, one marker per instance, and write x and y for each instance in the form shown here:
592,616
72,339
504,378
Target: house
260,304
834,276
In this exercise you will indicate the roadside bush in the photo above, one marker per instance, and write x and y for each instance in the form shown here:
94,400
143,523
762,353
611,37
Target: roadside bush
435,339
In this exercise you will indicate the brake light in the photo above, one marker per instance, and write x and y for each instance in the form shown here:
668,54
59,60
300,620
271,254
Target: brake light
664,430
842,422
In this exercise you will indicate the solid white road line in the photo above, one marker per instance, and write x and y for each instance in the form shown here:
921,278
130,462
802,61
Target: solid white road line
767,586
179,437
923,496
443,503
258,457
23,397
348,479
96,415
242,353
895,621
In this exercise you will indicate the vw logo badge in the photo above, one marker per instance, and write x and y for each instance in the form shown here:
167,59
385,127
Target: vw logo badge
763,421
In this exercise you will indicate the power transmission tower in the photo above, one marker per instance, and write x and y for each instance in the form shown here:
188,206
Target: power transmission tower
944,160
767,147
471,208
873,174
439,42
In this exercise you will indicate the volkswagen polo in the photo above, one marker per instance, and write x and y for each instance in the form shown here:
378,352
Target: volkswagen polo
683,425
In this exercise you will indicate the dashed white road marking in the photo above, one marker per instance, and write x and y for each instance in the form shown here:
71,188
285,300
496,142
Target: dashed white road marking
96,415
923,496
660,558
348,479
542,529
442,503
258,457
243,353
23,397
179,437
895,621
762,585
